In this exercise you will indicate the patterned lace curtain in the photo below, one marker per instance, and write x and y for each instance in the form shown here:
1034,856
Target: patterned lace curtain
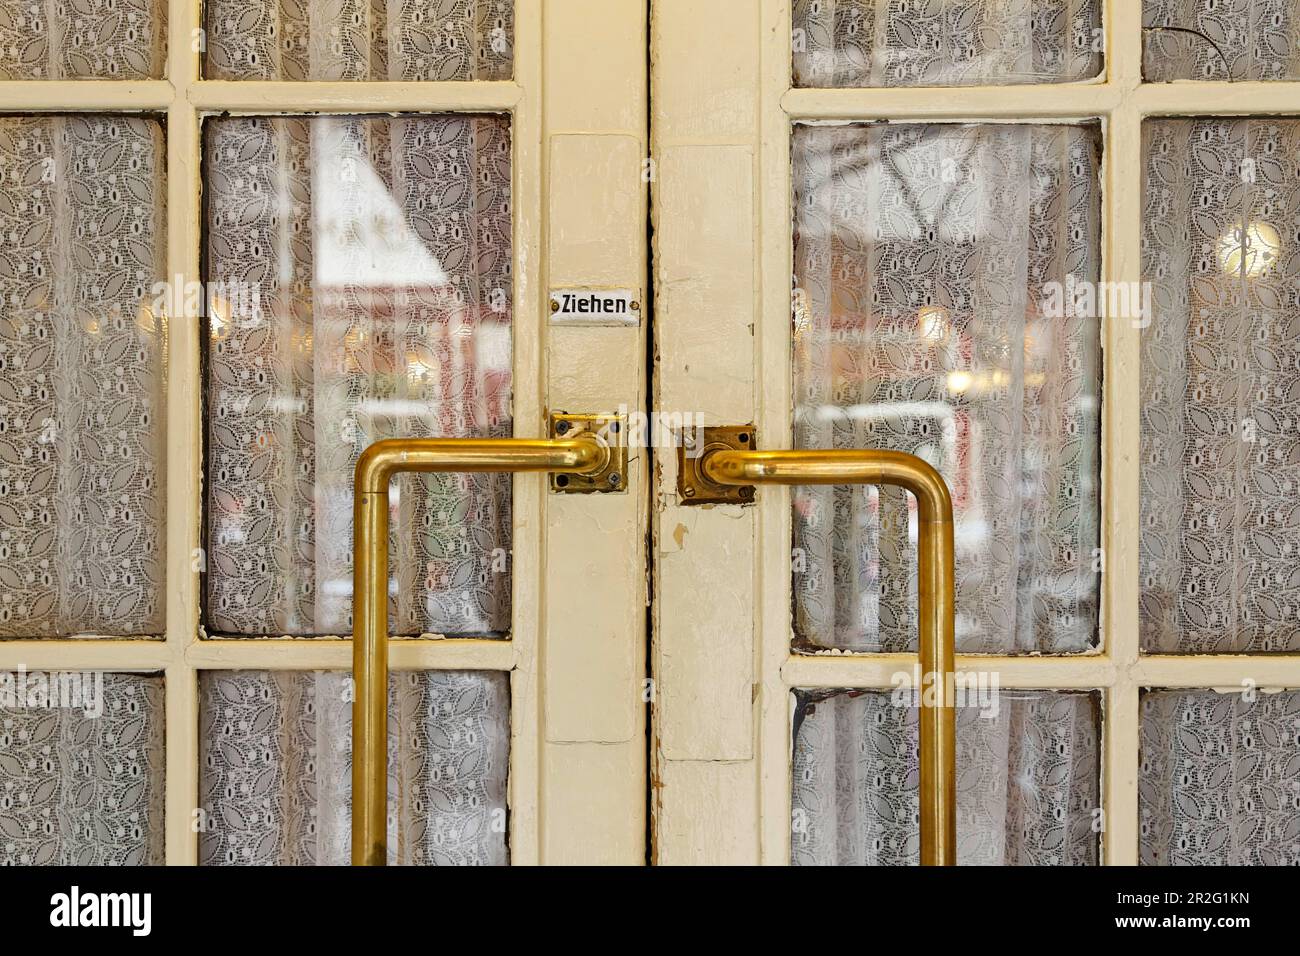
360,285
82,359
1028,784
276,758
1221,40
925,263
1220,457
360,39
844,43
1220,778
81,783
83,39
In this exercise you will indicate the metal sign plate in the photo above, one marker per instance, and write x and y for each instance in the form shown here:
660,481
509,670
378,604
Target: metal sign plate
595,307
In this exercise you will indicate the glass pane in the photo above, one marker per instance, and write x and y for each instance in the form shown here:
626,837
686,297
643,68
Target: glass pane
1214,40
1027,779
82,353
360,285
845,43
1220,391
81,769
932,269
1220,778
359,39
276,757
95,39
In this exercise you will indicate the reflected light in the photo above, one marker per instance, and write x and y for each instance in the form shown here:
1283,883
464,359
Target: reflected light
1253,252
933,323
218,316
960,382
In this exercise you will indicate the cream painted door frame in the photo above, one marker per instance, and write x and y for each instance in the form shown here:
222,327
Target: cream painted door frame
722,108
578,105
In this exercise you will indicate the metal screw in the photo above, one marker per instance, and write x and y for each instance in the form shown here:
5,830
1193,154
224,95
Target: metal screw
561,428
636,306
690,492
613,479
555,306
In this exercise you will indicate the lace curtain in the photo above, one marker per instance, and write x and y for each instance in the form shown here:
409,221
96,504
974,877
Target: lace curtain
360,286
83,39
1220,778
1221,40
1027,784
82,354
360,39
924,260
276,758
839,43
1220,457
82,785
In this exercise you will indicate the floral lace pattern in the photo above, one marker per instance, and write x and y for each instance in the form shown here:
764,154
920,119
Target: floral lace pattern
82,353
925,259
277,767
83,786
1220,457
846,43
362,277
1221,40
83,39
1220,778
360,39
1027,780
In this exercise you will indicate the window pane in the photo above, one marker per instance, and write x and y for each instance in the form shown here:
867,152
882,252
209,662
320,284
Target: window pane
1220,778
1220,393
839,43
1027,779
931,264
81,769
1214,40
95,39
359,40
276,756
360,286
82,351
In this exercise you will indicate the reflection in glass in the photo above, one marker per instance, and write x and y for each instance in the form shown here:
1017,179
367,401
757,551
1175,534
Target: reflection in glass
848,43
1028,780
946,304
276,759
1220,535
360,287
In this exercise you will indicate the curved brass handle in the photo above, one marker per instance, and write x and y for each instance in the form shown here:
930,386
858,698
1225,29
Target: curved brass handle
731,468
583,454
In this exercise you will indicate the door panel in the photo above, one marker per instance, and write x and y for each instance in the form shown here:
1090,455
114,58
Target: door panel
927,230
379,198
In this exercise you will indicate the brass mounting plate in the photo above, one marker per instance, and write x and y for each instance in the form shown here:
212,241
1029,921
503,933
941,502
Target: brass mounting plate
610,428
693,487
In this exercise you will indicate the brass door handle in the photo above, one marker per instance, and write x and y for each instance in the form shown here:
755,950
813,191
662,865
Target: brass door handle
583,453
728,467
